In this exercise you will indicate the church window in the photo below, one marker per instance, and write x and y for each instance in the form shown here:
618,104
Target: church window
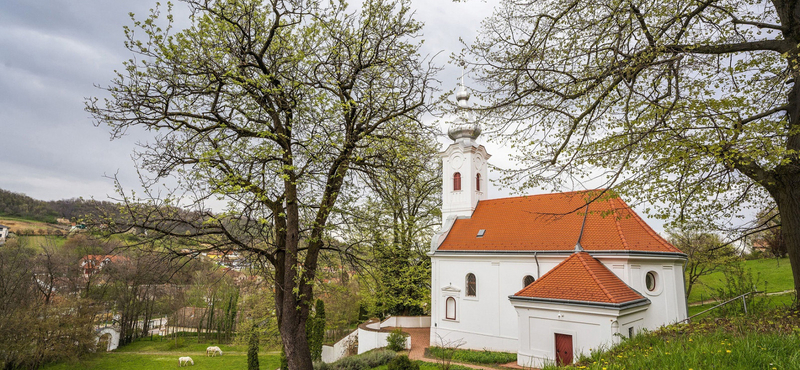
450,308
471,288
478,182
650,281
527,280
457,181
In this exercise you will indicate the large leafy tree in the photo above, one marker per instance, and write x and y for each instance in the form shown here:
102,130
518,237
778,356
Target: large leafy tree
397,217
690,105
705,251
267,106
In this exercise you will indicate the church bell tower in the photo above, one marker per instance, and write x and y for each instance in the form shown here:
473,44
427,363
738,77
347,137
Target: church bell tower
464,162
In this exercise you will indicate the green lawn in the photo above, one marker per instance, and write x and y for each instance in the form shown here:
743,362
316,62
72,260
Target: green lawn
773,301
139,361
146,354
770,274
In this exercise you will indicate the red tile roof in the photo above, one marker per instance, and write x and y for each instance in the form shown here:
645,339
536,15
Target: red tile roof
582,278
552,222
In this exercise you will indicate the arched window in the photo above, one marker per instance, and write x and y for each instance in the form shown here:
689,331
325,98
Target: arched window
478,182
471,288
527,280
457,181
450,308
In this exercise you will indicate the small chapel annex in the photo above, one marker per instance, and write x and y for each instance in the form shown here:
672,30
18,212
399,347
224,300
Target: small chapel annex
547,276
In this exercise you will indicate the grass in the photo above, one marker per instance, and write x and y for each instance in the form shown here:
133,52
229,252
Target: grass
427,366
772,302
139,361
149,354
474,357
771,275
765,341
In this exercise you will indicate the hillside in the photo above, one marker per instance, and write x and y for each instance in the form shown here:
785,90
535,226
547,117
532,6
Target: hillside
20,206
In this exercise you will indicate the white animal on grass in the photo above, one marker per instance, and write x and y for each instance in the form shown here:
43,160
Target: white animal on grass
185,361
213,351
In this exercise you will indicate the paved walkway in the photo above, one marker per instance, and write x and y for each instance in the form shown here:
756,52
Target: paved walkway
421,339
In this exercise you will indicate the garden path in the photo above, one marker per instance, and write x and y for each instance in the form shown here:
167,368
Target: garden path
421,339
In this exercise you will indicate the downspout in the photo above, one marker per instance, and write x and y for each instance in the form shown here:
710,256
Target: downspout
685,299
538,273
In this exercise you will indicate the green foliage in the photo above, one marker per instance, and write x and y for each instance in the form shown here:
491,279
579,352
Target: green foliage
252,351
271,107
35,329
315,330
764,342
396,341
22,206
699,125
772,276
472,357
402,363
363,361
739,280
705,251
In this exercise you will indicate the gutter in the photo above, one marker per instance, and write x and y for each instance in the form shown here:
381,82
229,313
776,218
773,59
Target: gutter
561,252
630,304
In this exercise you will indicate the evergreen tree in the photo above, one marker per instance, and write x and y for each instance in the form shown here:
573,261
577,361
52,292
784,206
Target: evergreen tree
252,350
318,331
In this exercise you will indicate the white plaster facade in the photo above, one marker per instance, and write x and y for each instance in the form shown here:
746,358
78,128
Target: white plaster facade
490,321
469,160
3,234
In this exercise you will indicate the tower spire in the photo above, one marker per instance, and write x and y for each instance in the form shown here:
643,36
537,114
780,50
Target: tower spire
463,127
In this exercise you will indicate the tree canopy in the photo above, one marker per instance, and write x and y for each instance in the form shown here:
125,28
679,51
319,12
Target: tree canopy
267,106
691,106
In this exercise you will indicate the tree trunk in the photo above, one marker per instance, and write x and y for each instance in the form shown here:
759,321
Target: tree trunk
293,310
788,201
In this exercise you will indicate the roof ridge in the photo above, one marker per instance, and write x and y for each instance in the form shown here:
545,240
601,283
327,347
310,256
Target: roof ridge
546,194
596,279
545,274
619,229
650,230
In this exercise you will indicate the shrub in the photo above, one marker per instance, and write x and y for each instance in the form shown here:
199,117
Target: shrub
364,361
402,363
474,357
396,340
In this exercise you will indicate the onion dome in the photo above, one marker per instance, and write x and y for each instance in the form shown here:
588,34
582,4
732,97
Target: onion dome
463,126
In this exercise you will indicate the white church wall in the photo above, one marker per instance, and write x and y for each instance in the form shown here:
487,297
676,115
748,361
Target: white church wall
668,302
488,320
590,327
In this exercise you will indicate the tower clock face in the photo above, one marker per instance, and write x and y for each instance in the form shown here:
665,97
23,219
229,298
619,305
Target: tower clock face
456,161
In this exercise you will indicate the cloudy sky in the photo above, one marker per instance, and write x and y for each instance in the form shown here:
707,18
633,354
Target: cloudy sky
54,52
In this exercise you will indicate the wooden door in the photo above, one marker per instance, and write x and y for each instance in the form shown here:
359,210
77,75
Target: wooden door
563,349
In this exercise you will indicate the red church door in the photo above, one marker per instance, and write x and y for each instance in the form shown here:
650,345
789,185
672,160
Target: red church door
563,349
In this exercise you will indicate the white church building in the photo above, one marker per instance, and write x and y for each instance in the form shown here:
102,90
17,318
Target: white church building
547,276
